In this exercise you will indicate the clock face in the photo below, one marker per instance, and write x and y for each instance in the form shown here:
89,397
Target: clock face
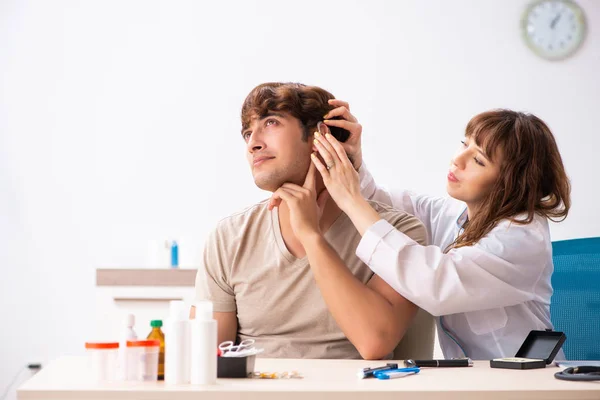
553,29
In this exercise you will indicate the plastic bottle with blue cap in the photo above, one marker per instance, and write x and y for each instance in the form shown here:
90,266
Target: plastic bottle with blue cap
174,254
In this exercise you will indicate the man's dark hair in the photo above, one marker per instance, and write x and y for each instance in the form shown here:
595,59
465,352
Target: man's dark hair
306,103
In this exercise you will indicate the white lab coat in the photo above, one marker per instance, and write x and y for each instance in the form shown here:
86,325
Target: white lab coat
490,294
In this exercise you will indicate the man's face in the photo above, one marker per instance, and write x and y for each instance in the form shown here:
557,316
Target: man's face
276,152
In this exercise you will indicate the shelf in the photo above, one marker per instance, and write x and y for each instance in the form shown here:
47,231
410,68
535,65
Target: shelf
145,277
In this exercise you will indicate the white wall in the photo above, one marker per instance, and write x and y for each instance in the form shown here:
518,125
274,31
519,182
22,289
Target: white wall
119,124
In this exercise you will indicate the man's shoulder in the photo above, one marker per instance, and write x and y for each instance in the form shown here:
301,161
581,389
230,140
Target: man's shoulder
382,207
234,235
401,220
390,213
250,216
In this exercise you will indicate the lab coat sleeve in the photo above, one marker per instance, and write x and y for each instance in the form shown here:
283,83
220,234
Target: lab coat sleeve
501,270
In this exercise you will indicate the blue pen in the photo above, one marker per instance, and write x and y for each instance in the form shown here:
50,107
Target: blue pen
396,373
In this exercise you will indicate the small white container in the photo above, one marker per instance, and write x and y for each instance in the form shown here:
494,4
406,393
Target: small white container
128,334
177,344
204,345
142,360
103,360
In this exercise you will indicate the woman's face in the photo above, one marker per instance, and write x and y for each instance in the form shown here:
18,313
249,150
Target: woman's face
472,174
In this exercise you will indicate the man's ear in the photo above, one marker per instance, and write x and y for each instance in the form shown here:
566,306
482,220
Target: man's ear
323,128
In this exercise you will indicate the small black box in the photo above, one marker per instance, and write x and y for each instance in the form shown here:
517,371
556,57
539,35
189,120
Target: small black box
538,350
235,367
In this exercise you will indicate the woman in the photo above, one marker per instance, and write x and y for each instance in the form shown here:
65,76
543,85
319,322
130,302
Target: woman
487,271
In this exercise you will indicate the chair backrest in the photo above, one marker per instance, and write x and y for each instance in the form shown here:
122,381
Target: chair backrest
575,305
417,343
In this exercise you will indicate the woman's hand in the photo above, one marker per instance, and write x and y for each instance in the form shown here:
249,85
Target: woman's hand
342,182
305,209
339,176
348,122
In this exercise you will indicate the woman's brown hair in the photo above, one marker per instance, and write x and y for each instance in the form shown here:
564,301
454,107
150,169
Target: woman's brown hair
532,177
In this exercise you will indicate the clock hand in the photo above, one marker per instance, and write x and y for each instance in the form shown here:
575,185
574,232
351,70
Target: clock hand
555,20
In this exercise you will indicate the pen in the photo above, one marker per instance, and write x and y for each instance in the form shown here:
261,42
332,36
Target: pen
368,372
457,362
396,373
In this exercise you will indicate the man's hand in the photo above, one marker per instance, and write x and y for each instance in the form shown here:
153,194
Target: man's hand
305,209
350,123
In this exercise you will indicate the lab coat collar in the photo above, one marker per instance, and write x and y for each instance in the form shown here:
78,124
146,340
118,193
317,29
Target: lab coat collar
462,219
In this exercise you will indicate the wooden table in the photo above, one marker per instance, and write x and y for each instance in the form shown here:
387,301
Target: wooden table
67,378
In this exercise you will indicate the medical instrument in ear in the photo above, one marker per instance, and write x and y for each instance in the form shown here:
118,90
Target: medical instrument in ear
340,134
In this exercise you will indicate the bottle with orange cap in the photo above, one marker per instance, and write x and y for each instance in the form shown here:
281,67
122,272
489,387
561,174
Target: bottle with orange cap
102,360
142,360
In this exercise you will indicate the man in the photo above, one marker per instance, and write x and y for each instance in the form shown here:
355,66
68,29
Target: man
255,270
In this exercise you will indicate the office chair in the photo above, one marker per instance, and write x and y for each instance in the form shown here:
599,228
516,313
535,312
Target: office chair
575,304
419,340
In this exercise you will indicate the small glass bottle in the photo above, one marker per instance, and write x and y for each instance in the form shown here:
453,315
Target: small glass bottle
157,334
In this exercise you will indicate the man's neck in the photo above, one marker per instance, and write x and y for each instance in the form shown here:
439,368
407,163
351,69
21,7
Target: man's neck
330,213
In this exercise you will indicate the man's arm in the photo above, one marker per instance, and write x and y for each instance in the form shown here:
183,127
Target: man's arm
226,325
374,317
212,284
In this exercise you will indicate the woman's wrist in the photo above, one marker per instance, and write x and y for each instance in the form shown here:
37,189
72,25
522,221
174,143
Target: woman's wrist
351,203
363,215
